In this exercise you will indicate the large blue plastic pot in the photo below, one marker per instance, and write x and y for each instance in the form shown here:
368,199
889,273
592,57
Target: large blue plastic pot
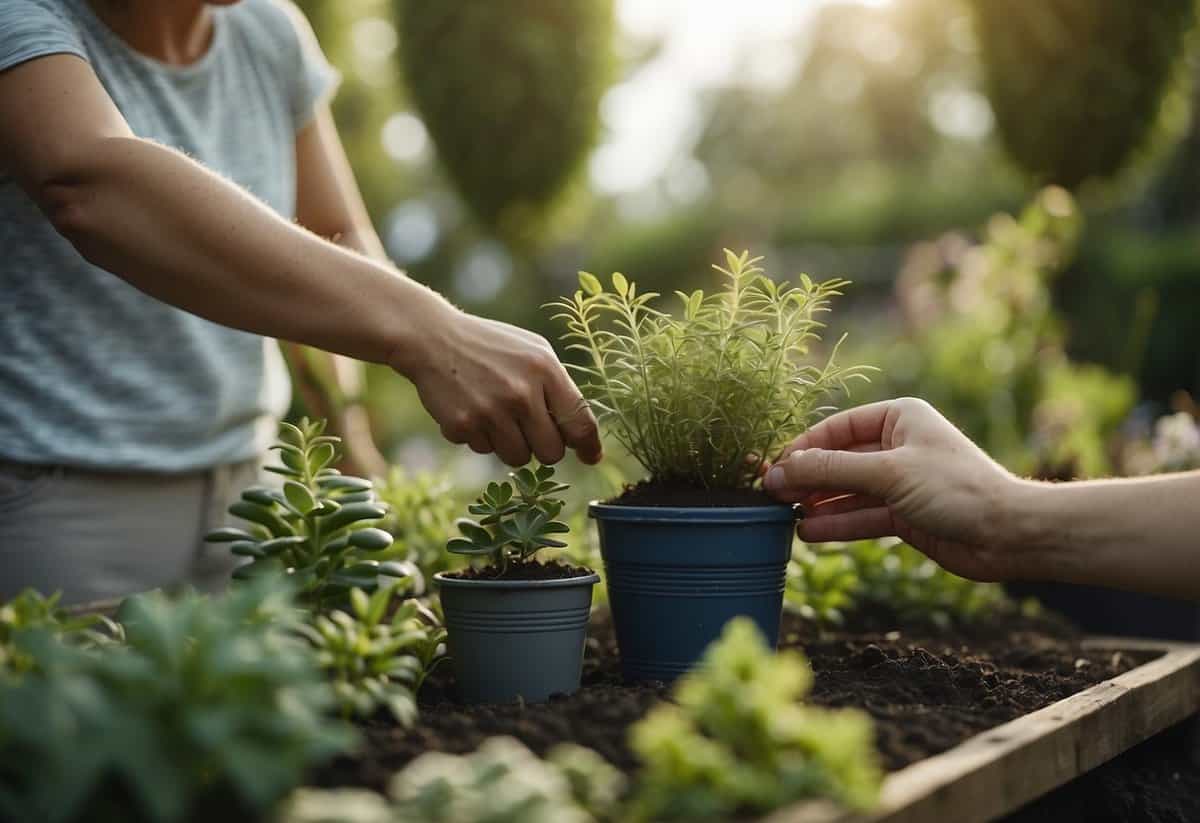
516,638
676,576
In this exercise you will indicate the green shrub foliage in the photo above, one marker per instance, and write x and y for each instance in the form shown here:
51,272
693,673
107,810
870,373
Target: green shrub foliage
212,703
30,610
509,92
825,583
319,529
986,347
515,519
500,782
422,509
692,396
738,741
1080,87
376,659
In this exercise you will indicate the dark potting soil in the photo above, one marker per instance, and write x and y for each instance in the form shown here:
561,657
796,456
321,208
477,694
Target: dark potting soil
667,493
927,689
553,570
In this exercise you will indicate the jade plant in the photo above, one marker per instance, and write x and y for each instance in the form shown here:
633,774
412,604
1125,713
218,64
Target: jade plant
319,529
30,610
500,782
732,375
739,741
376,659
211,707
515,519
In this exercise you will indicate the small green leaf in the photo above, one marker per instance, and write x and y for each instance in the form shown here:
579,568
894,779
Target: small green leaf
299,496
590,284
320,456
343,481
620,283
360,602
372,540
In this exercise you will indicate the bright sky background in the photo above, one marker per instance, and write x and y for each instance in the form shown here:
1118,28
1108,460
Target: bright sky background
652,118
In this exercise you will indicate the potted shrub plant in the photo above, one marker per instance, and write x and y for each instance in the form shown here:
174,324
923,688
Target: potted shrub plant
701,400
516,627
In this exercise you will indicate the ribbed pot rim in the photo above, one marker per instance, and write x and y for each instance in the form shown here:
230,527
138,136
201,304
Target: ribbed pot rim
590,579
779,513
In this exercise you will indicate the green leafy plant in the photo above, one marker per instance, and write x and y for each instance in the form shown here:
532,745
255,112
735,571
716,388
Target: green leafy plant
319,529
738,740
30,610
546,62
500,782
515,519
1041,63
985,346
211,704
421,512
691,396
375,659
825,583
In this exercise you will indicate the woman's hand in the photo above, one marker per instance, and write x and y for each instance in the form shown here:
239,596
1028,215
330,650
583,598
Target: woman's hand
498,388
900,468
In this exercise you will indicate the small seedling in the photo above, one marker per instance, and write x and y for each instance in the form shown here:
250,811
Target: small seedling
737,740
319,529
375,660
514,519
30,610
500,782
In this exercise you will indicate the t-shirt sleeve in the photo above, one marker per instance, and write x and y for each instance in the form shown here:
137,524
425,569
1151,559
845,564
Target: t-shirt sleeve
312,80
33,28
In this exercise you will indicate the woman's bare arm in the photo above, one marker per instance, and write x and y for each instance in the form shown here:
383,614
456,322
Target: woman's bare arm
190,238
900,468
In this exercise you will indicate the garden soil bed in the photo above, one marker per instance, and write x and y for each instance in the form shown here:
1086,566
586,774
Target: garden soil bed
928,690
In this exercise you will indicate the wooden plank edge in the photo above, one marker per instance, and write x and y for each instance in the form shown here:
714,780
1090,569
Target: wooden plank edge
1000,770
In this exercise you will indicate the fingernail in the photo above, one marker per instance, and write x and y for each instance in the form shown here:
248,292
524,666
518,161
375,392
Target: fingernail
774,479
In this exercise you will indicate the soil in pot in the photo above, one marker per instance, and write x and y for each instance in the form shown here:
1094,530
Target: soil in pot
927,689
522,571
668,493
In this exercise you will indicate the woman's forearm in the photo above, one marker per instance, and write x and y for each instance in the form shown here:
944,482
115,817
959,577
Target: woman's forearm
1140,533
185,235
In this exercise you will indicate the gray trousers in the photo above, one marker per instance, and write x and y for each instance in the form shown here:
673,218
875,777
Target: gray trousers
100,535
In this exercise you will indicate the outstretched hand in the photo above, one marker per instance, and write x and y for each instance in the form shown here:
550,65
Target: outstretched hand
499,388
898,467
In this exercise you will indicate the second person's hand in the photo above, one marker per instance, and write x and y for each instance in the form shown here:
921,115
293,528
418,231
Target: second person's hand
899,468
498,388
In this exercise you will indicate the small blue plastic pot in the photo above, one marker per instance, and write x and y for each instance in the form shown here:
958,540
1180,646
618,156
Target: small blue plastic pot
676,576
516,638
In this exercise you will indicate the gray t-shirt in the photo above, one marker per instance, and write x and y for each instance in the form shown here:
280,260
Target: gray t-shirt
94,373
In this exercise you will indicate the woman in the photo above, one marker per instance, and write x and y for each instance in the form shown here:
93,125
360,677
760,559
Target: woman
168,169
900,468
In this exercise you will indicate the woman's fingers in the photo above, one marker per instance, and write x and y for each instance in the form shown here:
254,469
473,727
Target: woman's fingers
543,437
862,524
509,442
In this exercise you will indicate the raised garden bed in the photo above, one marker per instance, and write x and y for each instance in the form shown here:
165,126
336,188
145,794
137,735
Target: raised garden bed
971,722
